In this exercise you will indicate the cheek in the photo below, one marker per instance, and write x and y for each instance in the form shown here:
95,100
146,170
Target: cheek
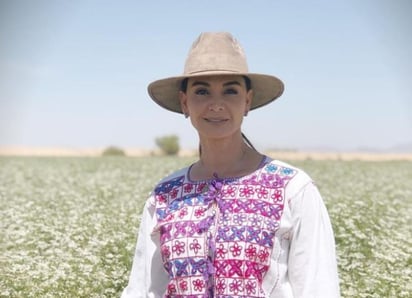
194,105
240,105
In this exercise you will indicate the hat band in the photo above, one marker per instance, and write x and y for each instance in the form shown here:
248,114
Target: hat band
214,71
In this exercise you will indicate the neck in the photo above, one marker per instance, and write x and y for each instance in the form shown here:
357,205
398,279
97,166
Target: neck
225,159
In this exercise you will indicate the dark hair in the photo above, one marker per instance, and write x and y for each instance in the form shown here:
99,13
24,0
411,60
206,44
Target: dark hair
183,84
248,83
248,142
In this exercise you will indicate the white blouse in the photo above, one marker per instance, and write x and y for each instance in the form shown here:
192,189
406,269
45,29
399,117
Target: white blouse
301,261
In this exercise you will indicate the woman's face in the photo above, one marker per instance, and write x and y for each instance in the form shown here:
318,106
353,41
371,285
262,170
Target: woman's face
216,104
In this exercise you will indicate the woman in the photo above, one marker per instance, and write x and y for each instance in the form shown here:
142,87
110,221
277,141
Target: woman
235,223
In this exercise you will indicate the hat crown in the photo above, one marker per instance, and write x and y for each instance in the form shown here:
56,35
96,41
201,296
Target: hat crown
216,52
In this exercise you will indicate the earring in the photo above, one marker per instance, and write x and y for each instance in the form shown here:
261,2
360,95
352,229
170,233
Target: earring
186,115
246,112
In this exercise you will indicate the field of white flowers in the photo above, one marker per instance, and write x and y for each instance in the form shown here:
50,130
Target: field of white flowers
68,225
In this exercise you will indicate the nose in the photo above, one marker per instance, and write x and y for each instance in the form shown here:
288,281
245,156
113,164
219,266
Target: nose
216,106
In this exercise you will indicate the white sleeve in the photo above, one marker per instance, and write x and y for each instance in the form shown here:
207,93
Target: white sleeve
148,277
312,268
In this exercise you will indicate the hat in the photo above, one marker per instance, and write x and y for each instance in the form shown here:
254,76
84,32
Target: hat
215,53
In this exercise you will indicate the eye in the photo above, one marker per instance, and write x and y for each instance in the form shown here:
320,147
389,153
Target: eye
231,91
201,91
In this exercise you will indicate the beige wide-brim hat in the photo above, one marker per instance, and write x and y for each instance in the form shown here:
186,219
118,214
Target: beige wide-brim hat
215,53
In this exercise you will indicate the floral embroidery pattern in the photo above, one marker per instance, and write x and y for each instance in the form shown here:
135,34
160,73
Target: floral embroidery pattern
217,237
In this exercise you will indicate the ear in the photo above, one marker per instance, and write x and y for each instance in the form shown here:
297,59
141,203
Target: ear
249,98
183,102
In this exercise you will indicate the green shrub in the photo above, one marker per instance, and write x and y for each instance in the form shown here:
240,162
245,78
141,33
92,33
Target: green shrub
113,151
168,144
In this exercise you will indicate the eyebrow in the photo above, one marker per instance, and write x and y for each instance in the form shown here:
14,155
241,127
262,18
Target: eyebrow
197,83
201,83
231,83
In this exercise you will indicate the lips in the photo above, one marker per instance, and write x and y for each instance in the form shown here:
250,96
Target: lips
216,120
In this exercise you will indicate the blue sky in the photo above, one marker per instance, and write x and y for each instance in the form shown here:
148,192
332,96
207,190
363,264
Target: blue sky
74,73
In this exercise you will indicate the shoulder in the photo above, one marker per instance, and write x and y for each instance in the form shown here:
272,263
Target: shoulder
172,180
297,178
176,174
167,184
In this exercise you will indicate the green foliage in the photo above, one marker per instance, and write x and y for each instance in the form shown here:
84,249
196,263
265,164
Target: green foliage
168,144
113,151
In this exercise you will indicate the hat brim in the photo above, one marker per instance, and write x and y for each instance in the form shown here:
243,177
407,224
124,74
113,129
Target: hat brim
165,92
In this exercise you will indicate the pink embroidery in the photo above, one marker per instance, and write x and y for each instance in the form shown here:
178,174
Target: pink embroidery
201,187
195,246
246,191
236,286
250,252
183,213
165,251
169,217
199,212
198,284
255,270
262,192
235,268
165,232
188,187
221,269
220,286
263,255
183,286
230,191
171,289
162,199
250,287
277,195
179,247
220,251
173,193
235,249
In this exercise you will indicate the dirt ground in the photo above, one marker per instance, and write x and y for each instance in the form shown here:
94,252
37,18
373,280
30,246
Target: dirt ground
282,155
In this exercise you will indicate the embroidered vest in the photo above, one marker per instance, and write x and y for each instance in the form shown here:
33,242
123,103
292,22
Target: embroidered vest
217,236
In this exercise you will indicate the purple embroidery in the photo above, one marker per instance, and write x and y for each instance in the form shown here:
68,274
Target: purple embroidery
237,234
217,238
180,229
181,267
198,266
253,235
